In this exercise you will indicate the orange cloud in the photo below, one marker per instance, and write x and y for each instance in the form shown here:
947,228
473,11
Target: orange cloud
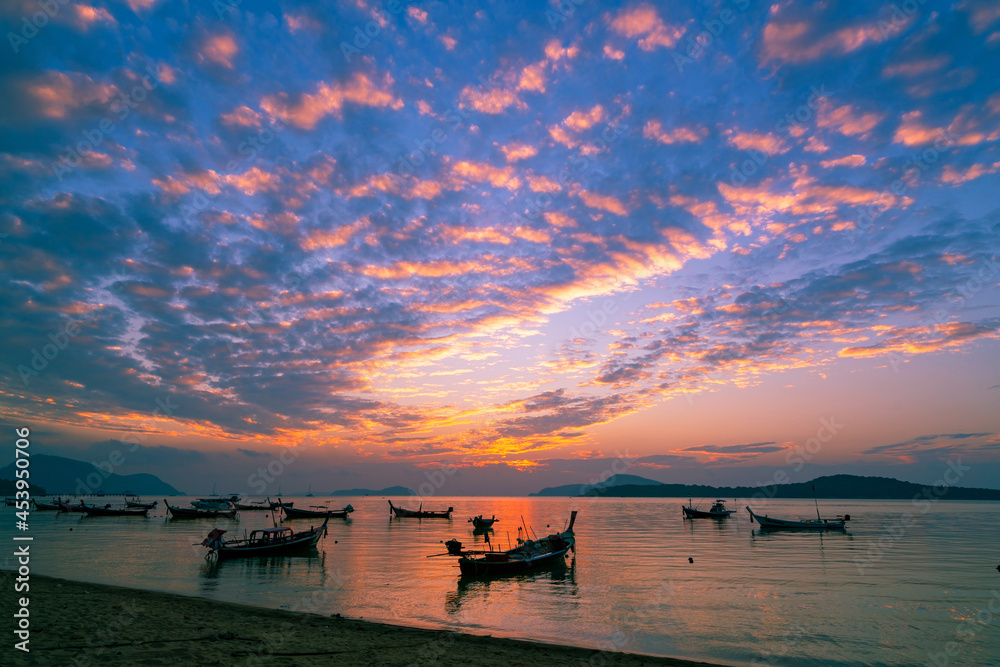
849,161
797,42
603,202
654,130
584,120
241,117
846,120
532,78
253,180
329,99
516,152
481,172
493,101
220,49
56,93
955,176
643,21
767,143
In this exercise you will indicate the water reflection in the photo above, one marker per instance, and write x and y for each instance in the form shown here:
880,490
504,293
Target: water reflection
558,579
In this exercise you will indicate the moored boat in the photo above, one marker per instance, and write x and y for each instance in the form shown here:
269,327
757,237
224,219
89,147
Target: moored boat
528,555
108,510
266,542
194,513
769,523
420,513
479,523
319,512
717,511
47,507
137,503
66,507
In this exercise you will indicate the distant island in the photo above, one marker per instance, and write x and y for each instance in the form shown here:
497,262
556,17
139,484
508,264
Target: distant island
388,491
831,486
63,476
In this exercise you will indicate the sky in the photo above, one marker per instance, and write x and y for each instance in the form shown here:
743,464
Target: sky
483,248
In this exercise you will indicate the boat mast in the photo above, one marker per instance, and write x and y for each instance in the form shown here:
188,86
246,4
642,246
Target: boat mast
817,503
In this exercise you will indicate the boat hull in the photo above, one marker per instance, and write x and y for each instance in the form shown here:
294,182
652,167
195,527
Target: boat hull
287,549
401,513
292,513
105,511
768,523
692,513
182,513
484,567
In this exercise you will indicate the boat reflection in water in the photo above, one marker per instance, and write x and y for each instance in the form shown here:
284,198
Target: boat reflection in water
558,579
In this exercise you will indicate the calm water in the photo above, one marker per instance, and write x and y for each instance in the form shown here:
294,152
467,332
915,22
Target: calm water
748,598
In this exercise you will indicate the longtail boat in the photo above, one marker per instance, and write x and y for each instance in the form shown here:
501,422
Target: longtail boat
481,524
66,507
717,511
266,542
768,523
137,503
528,555
193,513
256,506
47,507
318,513
420,513
108,510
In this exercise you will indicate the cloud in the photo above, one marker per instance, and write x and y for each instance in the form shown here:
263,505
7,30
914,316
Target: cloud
641,20
306,110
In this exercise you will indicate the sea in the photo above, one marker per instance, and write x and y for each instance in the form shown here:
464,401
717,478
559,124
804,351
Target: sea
909,583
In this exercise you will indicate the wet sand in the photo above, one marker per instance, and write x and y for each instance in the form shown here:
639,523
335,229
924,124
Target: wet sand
82,624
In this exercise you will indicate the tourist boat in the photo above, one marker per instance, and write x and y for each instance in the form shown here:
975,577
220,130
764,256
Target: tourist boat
767,523
717,511
320,512
108,510
479,523
265,542
419,513
194,513
527,555
137,503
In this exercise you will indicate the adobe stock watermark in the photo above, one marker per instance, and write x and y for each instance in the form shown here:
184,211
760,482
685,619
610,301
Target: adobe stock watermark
620,465
259,480
698,43
798,457
436,480
116,459
40,360
799,117
31,25
966,630
922,503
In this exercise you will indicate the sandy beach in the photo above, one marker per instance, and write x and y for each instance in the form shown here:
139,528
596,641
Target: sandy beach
80,624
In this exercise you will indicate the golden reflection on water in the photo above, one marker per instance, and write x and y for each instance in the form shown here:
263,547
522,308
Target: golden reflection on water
771,597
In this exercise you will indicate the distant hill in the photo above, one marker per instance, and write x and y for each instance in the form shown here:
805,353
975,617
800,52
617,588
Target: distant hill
591,489
830,486
389,491
8,487
60,475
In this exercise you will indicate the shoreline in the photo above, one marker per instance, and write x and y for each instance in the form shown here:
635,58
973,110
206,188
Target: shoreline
83,625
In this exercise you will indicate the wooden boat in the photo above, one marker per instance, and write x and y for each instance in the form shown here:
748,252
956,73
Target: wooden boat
46,507
66,507
266,542
320,512
419,513
528,555
717,511
768,523
135,502
481,524
194,513
108,510
257,506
